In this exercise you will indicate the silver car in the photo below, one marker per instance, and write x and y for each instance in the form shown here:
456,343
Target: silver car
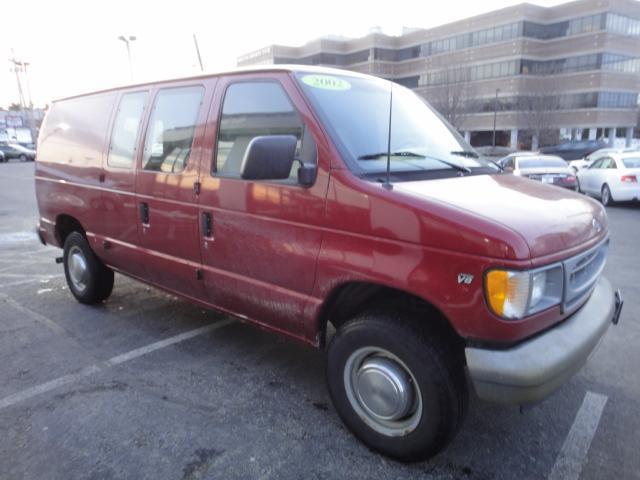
548,169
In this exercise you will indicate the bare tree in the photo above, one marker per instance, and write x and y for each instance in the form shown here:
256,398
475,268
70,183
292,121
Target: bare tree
538,107
453,95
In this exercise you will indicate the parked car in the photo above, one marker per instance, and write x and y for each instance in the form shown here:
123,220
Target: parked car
612,178
543,168
574,150
279,196
2,157
589,159
13,150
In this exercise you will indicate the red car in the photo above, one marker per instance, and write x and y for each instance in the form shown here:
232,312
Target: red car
298,198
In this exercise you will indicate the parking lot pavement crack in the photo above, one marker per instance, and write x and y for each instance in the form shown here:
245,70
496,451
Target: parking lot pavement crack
201,464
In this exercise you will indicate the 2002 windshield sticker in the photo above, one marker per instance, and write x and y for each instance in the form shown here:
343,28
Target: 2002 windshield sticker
326,82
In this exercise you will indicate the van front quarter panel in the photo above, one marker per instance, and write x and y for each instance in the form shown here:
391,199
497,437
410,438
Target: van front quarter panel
383,238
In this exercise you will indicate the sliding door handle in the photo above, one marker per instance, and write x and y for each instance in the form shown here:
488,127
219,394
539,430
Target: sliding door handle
144,213
206,224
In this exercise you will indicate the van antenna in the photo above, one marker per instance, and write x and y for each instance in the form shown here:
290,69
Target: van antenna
387,183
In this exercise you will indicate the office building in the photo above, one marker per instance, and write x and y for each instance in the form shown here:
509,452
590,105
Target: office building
543,74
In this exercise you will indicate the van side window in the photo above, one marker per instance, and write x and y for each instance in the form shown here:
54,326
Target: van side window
252,109
171,129
125,130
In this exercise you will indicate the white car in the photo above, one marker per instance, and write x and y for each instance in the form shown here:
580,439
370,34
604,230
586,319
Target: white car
592,157
612,178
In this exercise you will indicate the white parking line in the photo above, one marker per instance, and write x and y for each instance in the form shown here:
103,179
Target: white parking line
35,276
33,315
30,280
574,451
117,360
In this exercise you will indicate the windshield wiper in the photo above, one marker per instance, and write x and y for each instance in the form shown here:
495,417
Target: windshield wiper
465,153
471,154
374,156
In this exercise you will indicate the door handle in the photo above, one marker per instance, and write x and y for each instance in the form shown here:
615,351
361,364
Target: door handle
144,213
206,224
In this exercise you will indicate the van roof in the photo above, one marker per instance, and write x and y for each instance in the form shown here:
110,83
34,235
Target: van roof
291,68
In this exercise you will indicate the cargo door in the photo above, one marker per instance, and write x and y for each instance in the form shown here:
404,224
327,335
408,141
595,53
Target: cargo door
166,187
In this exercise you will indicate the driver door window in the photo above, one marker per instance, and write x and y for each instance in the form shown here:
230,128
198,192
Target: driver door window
252,109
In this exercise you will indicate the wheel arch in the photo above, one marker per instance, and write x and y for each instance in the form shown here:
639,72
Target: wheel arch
65,224
351,298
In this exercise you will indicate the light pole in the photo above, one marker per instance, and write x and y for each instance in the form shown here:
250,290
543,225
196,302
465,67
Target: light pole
495,114
127,41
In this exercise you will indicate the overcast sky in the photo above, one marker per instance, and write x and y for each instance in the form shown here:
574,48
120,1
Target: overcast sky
72,46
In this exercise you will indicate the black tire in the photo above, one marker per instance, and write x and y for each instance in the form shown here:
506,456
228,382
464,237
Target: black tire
23,157
605,196
434,364
97,283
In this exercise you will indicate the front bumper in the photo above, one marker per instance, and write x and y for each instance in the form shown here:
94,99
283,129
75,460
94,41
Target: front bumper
532,370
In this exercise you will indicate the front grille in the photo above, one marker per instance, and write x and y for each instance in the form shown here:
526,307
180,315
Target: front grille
581,274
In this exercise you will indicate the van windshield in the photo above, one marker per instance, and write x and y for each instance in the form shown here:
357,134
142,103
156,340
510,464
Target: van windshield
355,111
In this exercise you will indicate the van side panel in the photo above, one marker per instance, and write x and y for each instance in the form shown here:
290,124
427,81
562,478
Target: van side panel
69,162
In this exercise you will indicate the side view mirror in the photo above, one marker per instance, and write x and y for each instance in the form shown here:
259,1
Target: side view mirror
269,157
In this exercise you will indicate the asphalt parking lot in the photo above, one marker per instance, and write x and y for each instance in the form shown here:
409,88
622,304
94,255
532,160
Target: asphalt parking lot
149,386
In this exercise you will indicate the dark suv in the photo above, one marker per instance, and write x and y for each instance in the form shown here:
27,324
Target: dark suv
13,150
575,150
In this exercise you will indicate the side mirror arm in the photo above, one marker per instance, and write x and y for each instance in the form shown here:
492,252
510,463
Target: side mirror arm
306,173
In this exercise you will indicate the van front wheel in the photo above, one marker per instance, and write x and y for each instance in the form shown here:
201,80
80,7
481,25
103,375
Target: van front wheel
398,386
89,280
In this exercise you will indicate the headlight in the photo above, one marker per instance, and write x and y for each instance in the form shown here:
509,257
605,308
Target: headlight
515,294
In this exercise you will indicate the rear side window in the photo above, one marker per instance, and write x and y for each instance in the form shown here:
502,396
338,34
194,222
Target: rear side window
125,130
252,109
171,129
631,162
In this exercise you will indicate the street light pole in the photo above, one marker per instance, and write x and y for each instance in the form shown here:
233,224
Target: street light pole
127,41
495,114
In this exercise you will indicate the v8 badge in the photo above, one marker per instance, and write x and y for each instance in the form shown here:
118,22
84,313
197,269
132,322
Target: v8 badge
465,278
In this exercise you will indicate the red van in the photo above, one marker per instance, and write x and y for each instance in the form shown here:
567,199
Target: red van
338,209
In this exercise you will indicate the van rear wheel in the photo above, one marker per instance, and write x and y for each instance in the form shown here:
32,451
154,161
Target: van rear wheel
89,280
398,386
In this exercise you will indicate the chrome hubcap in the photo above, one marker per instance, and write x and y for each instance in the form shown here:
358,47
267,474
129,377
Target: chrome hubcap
382,391
78,271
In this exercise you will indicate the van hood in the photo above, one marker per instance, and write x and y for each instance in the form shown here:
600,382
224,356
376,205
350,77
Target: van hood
549,218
